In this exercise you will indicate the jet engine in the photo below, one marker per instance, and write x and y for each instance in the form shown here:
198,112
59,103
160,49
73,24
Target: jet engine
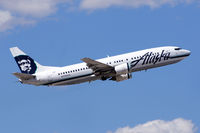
122,72
122,77
122,69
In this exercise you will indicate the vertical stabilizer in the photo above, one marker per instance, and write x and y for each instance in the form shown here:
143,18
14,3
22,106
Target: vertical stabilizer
25,63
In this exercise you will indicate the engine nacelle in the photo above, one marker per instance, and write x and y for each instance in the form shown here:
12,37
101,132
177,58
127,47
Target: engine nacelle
123,77
122,69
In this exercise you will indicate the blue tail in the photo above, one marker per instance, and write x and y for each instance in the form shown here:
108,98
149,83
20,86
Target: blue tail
25,63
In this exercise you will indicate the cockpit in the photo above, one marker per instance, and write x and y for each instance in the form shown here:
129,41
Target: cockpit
177,48
179,52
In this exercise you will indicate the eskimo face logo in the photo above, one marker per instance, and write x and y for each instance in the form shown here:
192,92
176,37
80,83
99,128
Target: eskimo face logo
26,64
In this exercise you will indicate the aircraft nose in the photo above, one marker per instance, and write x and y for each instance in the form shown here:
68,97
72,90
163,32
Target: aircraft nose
188,52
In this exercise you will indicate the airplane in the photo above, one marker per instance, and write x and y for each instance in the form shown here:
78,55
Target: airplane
116,68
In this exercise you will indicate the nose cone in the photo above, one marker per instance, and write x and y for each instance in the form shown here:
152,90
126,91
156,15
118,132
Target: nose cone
187,52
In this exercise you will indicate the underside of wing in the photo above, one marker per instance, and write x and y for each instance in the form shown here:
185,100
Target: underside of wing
24,76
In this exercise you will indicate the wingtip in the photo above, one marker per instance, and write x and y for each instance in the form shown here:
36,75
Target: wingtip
15,73
84,58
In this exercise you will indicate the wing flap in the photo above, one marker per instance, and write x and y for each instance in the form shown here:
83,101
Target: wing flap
24,76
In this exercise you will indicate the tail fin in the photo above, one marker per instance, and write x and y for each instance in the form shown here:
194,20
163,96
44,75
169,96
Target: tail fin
25,63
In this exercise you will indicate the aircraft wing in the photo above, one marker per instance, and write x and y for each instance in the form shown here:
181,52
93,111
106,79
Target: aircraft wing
97,66
24,76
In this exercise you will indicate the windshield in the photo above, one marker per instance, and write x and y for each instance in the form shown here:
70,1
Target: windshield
177,48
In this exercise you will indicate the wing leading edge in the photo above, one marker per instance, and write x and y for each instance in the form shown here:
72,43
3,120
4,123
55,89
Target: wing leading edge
98,67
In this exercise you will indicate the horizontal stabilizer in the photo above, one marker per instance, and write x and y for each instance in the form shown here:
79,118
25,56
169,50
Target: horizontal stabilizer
24,76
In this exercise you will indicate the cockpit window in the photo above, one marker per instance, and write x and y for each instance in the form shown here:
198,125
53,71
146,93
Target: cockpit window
177,48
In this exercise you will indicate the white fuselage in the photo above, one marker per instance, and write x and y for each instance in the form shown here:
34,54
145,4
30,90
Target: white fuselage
140,60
